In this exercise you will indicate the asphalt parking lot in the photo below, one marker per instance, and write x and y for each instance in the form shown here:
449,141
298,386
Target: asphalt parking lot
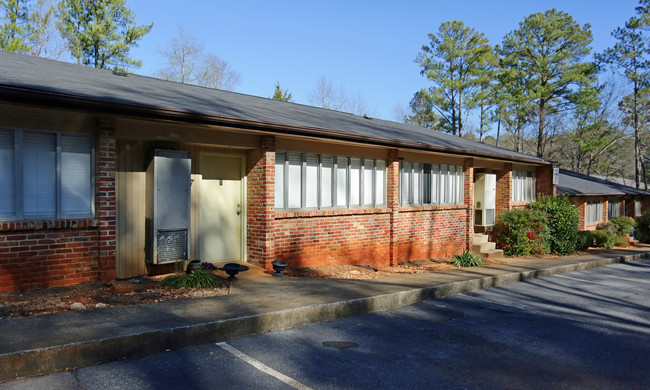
588,329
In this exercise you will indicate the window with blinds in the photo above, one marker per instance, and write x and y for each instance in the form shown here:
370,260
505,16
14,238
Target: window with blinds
523,186
430,183
594,211
613,209
315,181
45,175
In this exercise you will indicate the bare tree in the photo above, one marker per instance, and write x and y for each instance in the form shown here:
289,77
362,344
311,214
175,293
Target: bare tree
187,63
326,95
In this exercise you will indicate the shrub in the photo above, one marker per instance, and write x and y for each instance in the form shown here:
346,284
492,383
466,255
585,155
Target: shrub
642,230
621,241
196,279
563,219
606,226
623,225
584,239
604,238
467,259
522,232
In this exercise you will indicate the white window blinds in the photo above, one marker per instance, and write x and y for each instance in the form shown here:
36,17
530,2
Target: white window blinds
431,183
309,180
39,174
7,173
280,195
75,186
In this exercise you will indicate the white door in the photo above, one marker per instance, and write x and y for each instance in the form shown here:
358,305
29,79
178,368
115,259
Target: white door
490,199
221,208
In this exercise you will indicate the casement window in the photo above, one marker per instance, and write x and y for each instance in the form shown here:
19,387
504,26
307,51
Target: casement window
315,181
430,183
594,211
523,186
613,209
46,175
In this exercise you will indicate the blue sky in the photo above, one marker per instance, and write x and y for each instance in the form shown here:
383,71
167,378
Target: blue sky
367,47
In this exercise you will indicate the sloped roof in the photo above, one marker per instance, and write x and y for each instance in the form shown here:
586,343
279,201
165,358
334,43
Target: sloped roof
34,80
577,184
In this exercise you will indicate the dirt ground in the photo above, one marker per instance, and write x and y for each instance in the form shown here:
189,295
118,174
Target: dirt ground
90,295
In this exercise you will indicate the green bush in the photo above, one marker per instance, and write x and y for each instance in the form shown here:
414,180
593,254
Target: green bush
642,230
606,226
623,225
563,218
196,279
621,241
467,259
522,232
584,239
604,238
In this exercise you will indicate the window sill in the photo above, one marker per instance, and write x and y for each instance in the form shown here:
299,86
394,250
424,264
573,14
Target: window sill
329,212
49,224
432,207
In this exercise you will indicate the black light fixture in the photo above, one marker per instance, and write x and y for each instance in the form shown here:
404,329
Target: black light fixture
278,267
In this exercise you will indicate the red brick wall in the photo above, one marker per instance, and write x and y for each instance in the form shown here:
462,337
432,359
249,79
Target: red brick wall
315,238
260,218
504,189
62,252
431,231
544,181
105,206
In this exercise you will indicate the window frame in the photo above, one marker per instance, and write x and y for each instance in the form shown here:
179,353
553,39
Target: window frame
524,186
19,177
336,167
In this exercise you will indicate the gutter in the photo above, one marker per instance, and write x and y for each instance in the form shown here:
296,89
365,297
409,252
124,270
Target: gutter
53,99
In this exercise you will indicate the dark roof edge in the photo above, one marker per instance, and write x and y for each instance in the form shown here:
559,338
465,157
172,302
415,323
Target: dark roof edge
52,99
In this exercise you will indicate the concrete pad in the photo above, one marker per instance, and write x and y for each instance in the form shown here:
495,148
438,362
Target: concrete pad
258,303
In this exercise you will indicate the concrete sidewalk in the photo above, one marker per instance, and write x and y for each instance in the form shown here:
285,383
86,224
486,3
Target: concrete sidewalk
43,344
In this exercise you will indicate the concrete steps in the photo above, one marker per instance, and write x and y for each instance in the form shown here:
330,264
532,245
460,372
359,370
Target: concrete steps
484,248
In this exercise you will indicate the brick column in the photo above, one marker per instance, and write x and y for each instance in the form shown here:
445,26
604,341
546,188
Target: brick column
392,198
544,180
582,213
504,189
605,209
105,206
260,181
469,200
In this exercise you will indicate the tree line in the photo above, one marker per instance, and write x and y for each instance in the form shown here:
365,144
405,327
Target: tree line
536,92
539,92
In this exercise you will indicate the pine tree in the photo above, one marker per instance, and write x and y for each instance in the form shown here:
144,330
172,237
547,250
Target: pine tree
455,60
548,49
100,33
282,95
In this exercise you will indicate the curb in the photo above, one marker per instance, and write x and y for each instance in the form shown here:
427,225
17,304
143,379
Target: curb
43,361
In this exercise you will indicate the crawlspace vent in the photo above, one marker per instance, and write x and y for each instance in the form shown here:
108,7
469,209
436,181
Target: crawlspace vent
172,245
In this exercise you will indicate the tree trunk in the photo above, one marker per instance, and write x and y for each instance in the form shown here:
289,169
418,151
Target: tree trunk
540,134
498,130
637,141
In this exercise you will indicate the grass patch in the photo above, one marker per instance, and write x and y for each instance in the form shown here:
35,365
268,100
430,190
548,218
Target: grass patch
467,259
197,279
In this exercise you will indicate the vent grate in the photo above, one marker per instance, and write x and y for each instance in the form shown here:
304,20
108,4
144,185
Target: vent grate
171,245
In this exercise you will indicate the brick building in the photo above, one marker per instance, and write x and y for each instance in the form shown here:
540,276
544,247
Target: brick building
109,175
600,200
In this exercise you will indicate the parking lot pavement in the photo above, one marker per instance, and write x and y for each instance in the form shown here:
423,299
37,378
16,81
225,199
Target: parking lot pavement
588,329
